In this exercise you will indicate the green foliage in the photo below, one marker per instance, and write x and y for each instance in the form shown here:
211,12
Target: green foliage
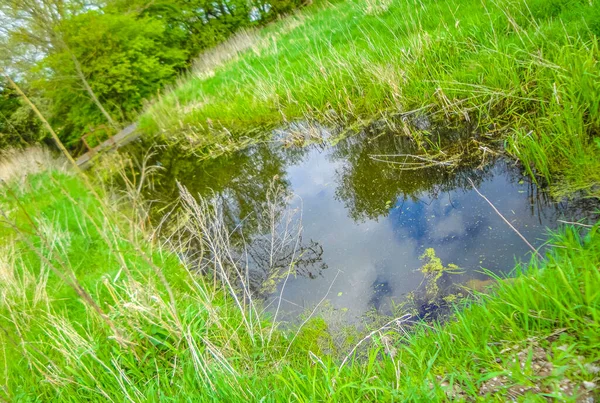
125,60
18,124
200,24
115,54
433,269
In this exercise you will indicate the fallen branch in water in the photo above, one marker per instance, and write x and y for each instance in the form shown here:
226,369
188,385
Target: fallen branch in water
424,162
575,223
505,220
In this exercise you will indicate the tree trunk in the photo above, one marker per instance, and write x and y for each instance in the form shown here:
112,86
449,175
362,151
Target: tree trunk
59,143
90,91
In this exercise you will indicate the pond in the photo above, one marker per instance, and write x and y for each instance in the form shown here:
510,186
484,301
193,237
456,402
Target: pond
365,223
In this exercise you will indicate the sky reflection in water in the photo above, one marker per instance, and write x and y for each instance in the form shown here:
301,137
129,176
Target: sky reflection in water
371,219
379,258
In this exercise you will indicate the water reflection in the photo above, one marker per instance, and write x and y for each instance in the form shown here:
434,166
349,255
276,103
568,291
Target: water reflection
368,186
241,181
366,219
381,290
277,248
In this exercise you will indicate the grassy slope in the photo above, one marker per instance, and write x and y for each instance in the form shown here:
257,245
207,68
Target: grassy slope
526,69
166,335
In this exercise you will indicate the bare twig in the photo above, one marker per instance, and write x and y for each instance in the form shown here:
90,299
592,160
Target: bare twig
397,321
535,251
575,223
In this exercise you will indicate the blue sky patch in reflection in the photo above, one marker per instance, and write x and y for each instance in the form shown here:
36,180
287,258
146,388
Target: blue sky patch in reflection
378,258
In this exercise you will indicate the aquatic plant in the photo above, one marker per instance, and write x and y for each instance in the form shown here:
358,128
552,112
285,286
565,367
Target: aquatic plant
433,269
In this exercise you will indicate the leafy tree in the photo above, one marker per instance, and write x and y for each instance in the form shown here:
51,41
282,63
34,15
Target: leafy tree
35,23
196,25
124,60
94,62
18,124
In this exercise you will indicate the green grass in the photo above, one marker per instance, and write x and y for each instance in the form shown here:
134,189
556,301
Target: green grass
525,70
153,331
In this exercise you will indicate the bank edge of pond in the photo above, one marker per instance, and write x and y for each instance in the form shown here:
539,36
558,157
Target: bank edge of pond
526,69
163,331
228,175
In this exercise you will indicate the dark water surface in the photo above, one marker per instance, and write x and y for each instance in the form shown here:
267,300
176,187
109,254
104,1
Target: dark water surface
367,222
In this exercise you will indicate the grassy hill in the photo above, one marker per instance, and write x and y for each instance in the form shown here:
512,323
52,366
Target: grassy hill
525,70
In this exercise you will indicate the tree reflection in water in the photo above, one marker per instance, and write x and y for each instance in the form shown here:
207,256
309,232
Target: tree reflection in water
365,217
253,265
367,185
277,248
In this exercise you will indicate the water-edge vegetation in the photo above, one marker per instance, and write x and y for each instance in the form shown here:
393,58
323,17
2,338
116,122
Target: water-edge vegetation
368,218
98,302
525,71
94,308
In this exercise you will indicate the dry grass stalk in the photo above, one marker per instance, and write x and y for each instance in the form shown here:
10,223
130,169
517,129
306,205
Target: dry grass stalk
376,7
17,164
397,321
205,226
216,57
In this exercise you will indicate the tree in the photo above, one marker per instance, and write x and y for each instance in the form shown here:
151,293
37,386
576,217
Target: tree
37,22
18,124
124,59
96,61
195,25
41,117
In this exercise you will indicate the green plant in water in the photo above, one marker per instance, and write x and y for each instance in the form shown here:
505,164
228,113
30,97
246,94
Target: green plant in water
433,269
